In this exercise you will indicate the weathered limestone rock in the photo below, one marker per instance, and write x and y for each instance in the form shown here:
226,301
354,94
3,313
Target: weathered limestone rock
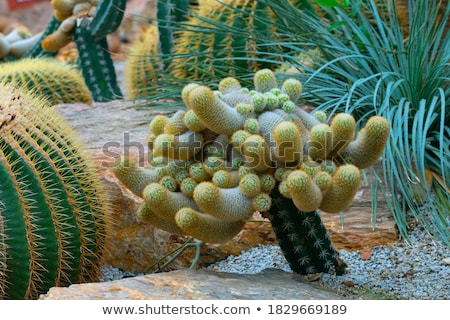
186,284
114,128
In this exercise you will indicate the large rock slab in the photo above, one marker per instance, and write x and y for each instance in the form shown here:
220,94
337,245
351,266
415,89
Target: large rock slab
186,284
114,128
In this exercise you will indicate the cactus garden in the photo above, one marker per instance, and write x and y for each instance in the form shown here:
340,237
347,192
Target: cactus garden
259,119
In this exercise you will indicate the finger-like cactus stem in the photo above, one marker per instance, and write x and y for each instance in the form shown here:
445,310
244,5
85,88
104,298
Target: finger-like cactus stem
264,80
175,124
369,144
225,179
320,141
134,177
293,88
225,204
165,203
257,153
146,215
182,147
214,113
205,227
344,185
288,142
343,132
305,194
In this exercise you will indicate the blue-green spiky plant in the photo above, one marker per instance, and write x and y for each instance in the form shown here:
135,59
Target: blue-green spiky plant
53,210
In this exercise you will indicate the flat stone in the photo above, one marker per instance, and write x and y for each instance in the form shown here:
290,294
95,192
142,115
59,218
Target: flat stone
186,284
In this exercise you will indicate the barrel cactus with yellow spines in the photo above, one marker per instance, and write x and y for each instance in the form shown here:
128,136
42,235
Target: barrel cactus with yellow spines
53,209
58,82
229,173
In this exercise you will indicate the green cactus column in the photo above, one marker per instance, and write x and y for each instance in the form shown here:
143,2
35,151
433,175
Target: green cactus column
53,211
303,238
96,64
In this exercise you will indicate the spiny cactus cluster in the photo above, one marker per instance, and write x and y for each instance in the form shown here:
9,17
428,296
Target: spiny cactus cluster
38,75
53,211
226,156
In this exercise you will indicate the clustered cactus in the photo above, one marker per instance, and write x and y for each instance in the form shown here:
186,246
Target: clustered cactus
53,210
236,151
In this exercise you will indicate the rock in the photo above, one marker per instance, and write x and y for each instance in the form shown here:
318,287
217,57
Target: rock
446,261
186,284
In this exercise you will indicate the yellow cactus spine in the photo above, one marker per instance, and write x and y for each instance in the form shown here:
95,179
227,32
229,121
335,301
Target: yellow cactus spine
142,63
134,177
56,81
344,185
206,227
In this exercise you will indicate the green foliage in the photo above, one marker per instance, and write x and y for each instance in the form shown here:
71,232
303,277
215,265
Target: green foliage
370,64
53,211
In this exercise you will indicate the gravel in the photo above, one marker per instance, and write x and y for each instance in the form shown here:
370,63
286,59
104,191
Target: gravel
415,270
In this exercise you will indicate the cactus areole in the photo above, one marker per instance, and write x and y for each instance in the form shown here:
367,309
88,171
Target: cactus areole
253,150
53,211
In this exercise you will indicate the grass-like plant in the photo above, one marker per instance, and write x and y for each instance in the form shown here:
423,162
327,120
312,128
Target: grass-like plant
367,61
370,64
